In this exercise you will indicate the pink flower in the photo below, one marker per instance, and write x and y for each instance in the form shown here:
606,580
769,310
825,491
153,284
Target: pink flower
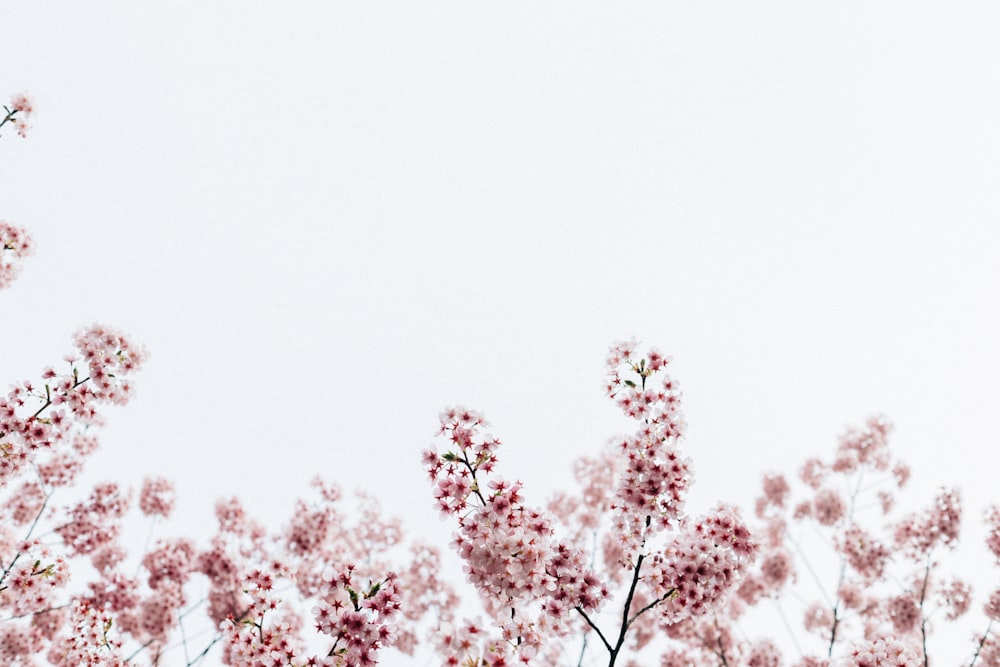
776,489
919,533
812,472
776,569
156,497
956,596
866,555
904,613
828,507
992,606
20,102
819,619
764,654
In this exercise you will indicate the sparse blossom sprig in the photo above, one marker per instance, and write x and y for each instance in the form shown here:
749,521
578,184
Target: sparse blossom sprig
18,112
15,244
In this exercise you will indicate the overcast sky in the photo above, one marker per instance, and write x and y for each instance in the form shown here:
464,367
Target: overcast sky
327,221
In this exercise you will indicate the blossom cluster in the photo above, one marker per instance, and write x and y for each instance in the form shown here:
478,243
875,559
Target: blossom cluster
509,550
536,576
36,420
18,113
15,245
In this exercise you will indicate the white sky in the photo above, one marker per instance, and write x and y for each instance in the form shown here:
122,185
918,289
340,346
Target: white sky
329,220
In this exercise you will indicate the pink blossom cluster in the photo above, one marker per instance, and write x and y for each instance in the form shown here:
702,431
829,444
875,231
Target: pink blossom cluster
91,642
37,420
470,643
700,563
524,575
257,638
156,497
358,617
918,534
883,653
15,245
31,578
655,476
18,112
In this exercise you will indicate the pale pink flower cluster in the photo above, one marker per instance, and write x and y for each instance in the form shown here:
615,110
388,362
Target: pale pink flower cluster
764,653
31,578
866,555
828,507
509,550
938,525
18,112
883,652
38,419
359,616
956,597
91,642
904,612
700,563
655,477
470,644
775,494
95,522
111,358
356,615
15,245
258,639
818,618
864,447
156,497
